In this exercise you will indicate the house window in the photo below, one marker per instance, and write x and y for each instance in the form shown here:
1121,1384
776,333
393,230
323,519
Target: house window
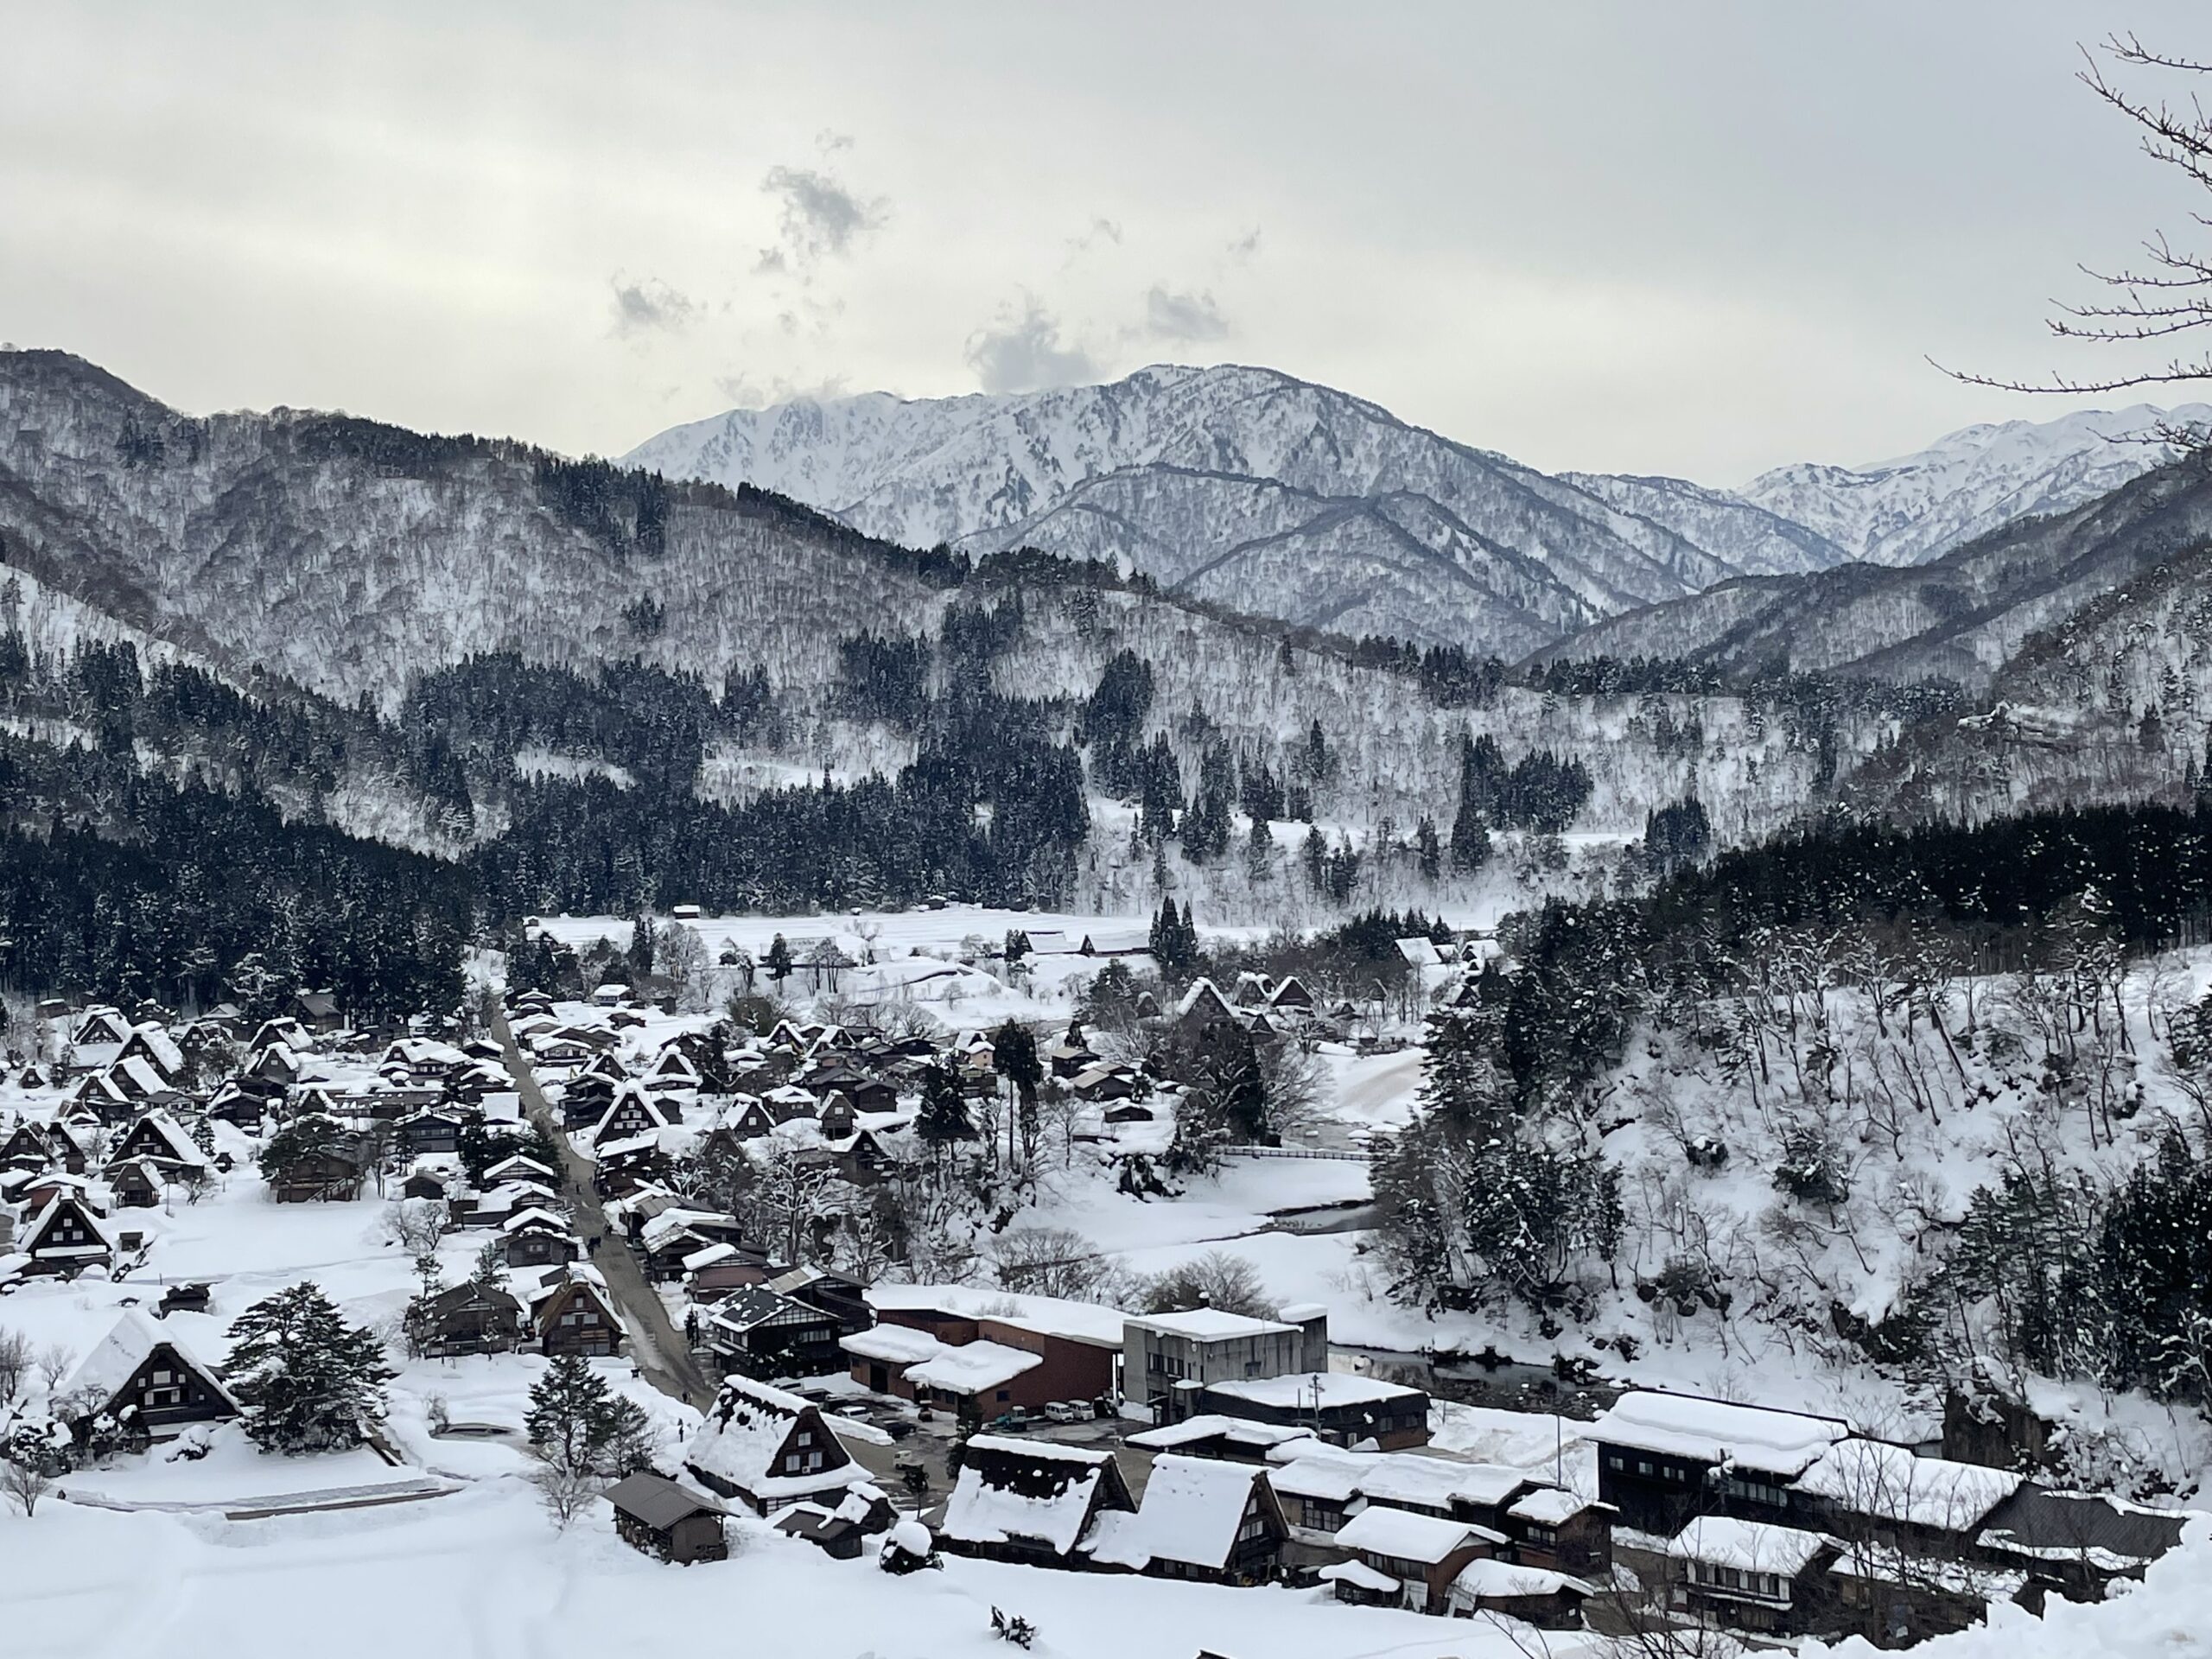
1642,1466
1254,1529
1005,1394
1615,1461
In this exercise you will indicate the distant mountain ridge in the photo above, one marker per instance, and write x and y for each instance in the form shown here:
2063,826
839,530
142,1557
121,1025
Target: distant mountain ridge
1279,496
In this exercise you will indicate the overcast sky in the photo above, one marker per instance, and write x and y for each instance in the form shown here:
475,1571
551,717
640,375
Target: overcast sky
1696,237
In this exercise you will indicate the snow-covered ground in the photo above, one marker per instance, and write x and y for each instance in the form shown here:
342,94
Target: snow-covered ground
482,1575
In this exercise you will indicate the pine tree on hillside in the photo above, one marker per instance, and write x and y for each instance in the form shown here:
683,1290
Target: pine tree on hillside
1428,850
1259,853
943,1117
779,961
307,1380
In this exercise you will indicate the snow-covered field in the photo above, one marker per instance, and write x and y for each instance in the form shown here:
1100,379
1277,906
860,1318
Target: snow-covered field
482,1575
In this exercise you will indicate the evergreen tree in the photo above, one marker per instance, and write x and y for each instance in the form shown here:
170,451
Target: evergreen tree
578,1424
307,1381
1260,853
490,1271
1428,851
1244,1091
943,1117
778,961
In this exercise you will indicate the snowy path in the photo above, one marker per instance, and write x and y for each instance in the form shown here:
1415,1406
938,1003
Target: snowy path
661,1356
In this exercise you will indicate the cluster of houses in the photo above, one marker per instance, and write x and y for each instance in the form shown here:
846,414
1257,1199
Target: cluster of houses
1790,1523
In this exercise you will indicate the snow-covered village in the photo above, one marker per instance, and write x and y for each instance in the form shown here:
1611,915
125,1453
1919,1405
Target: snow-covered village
1261,831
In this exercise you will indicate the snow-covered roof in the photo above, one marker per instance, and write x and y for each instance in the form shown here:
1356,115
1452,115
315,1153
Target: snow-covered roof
1719,1432
709,1256
141,1074
1437,1483
1493,1580
1361,1576
159,1044
1048,1316
1549,1506
893,1344
124,1349
175,1144
1380,1530
1009,1489
973,1367
1748,1546
1207,1426
1201,990
748,1426
518,1163
1296,1391
536,1215
1191,1509
1888,1483
1209,1324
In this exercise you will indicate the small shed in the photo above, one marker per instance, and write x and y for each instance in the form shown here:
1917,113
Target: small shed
658,1517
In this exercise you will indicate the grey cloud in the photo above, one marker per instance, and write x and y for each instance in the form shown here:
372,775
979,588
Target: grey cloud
1245,245
1024,353
821,217
651,306
745,392
1102,229
1187,316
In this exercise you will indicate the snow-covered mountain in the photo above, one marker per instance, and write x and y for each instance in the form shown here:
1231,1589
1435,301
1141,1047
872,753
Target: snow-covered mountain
1243,485
1911,509
1274,495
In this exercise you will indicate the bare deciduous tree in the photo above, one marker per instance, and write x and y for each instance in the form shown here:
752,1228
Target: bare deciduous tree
2168,293
14,1364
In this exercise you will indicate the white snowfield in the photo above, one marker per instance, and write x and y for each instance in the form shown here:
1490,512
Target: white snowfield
482,1575
2168,1615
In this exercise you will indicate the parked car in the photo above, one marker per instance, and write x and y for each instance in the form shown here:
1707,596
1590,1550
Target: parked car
1066,1411
1013,1418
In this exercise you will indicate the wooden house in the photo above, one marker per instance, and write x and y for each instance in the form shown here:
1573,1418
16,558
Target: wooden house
654,1515
160,1139
65,1236
332,1174
153,1044
631,1113
769,1449
38,1147
1665,1458
574,1315
99,1024
135,1183
1202,1519
1543,1597
536,1237
1033,1502
470,1318
1753,1575
145,1378
1401,1559
429,1134
842,1533
317,1011
755,1332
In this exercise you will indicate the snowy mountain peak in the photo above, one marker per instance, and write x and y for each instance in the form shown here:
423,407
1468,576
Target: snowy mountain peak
1910,508
1252,488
